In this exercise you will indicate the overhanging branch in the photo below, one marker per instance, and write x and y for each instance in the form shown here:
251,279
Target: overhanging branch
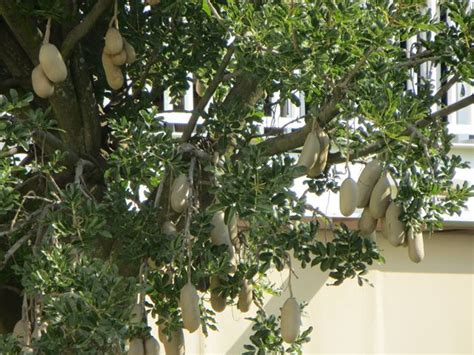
188,130
327,112
380,144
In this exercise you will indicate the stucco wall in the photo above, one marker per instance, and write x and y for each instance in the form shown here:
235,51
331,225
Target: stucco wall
425,308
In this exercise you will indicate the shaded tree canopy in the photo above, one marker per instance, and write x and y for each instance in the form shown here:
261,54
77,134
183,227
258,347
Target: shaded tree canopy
88,177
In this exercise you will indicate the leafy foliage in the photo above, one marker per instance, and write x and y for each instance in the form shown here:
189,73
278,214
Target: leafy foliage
81,228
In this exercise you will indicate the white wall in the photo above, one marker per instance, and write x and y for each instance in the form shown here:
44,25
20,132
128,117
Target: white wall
425,308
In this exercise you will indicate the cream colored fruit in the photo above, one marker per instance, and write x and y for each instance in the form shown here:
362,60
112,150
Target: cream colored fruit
395,228
152,347
233,229
120,58
39,330
189,303
218,302
41,84
367,223
245,297
52,63
200,87
136,347
113,74
311,149
416,249
372,236
180,193
169,228
380,197
348,197
174,345
131,54
21,331
220,231
366,182
113,41
137,313
321,161
290,320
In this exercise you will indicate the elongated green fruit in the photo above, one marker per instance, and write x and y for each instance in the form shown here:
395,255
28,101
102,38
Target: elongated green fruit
311,149
173,345
52,63
180,193
245,297
395,229
189,303
290,320
380,197
416,249
348,197
366,182
321,161
367,223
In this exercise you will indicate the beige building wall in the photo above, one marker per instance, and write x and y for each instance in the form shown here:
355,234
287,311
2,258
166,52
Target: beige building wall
425,308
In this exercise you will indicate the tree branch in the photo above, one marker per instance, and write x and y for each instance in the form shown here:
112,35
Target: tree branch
446,86
81,30
380,144
23,28
328,111
188,130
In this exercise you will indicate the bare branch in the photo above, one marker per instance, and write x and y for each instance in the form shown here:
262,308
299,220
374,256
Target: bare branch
188,130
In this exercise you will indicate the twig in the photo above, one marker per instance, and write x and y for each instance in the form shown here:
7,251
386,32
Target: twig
192,149
47,33
12,151
81,163
445,87
216,14
159,192
316,210
188,130
14,248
